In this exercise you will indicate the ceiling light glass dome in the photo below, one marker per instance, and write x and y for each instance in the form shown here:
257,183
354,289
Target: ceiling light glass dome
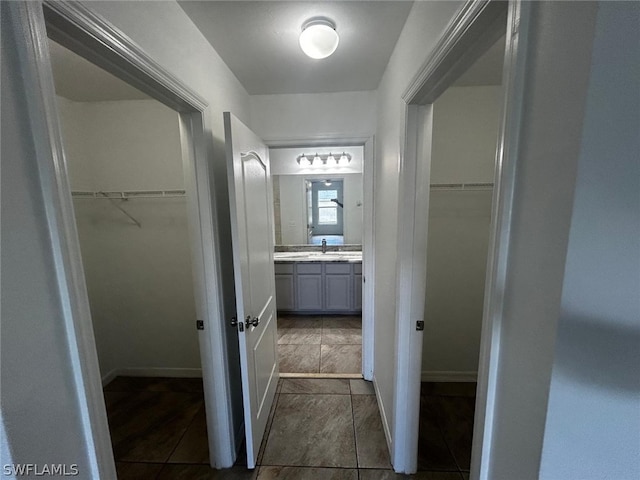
319,38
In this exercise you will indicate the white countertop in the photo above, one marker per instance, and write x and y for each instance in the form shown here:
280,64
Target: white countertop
350,257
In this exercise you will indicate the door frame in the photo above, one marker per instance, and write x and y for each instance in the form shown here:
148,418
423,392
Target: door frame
78,28
476,26
368,228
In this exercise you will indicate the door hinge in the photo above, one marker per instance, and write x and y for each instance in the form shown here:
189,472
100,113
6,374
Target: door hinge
200,324
420,325
235,323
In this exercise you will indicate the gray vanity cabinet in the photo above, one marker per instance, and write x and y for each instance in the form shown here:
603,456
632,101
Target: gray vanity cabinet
318,287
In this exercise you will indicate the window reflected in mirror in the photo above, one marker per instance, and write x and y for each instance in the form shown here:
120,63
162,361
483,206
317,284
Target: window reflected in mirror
325,204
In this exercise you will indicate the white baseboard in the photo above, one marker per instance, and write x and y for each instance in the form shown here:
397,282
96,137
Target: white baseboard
106,379
383,416
152,372
448,376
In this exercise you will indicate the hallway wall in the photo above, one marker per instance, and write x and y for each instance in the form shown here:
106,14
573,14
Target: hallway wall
566,404
425,25
593,420
40,412
140,280
322,116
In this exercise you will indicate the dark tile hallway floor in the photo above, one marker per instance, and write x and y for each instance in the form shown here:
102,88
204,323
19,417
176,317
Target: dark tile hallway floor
446,426
318,429
320,344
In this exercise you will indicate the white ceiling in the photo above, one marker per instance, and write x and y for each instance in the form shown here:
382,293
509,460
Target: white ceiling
258,40
80,80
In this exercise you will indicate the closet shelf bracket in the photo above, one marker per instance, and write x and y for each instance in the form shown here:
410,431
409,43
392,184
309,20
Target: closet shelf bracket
113,202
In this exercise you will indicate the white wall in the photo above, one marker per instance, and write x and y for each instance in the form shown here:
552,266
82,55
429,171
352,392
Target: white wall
593,414
465,133
465,136
425,24
293,214
458,240
39,401
311,116
139,280
567,386
122,145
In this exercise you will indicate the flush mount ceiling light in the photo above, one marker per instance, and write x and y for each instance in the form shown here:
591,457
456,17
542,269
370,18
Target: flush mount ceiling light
319,38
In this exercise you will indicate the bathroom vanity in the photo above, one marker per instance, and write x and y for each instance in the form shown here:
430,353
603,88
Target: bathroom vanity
316,282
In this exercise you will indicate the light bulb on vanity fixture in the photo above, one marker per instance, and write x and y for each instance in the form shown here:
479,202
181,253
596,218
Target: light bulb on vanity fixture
319,38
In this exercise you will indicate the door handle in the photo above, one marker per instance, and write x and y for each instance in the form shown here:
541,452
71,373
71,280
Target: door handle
252,321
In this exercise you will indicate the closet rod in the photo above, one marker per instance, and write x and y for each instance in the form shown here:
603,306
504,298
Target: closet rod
124,195
461,186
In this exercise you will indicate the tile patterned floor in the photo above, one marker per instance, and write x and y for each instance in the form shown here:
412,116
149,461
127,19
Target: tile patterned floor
318,429
446,426
320,344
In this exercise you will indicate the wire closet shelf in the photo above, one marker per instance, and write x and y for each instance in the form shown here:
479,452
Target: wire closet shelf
123,195
126,195
461,186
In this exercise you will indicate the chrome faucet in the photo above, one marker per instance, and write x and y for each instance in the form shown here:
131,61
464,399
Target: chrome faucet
324,245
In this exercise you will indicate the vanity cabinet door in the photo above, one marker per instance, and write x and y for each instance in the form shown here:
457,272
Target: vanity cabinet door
285,287
357,292
337,292
285,298
337,287
309,291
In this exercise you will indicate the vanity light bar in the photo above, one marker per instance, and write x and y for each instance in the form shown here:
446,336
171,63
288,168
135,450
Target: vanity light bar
323,158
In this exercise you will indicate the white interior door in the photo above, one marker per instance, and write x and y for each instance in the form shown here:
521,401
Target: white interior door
252,234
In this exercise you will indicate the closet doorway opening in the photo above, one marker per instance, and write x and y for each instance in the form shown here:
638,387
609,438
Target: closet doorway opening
459,217
124,159
320,231
80,30
465,133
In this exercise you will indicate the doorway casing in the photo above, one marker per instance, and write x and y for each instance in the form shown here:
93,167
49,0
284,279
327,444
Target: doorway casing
79,29
477,26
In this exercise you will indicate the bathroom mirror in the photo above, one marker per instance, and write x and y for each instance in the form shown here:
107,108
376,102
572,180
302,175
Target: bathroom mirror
316,200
